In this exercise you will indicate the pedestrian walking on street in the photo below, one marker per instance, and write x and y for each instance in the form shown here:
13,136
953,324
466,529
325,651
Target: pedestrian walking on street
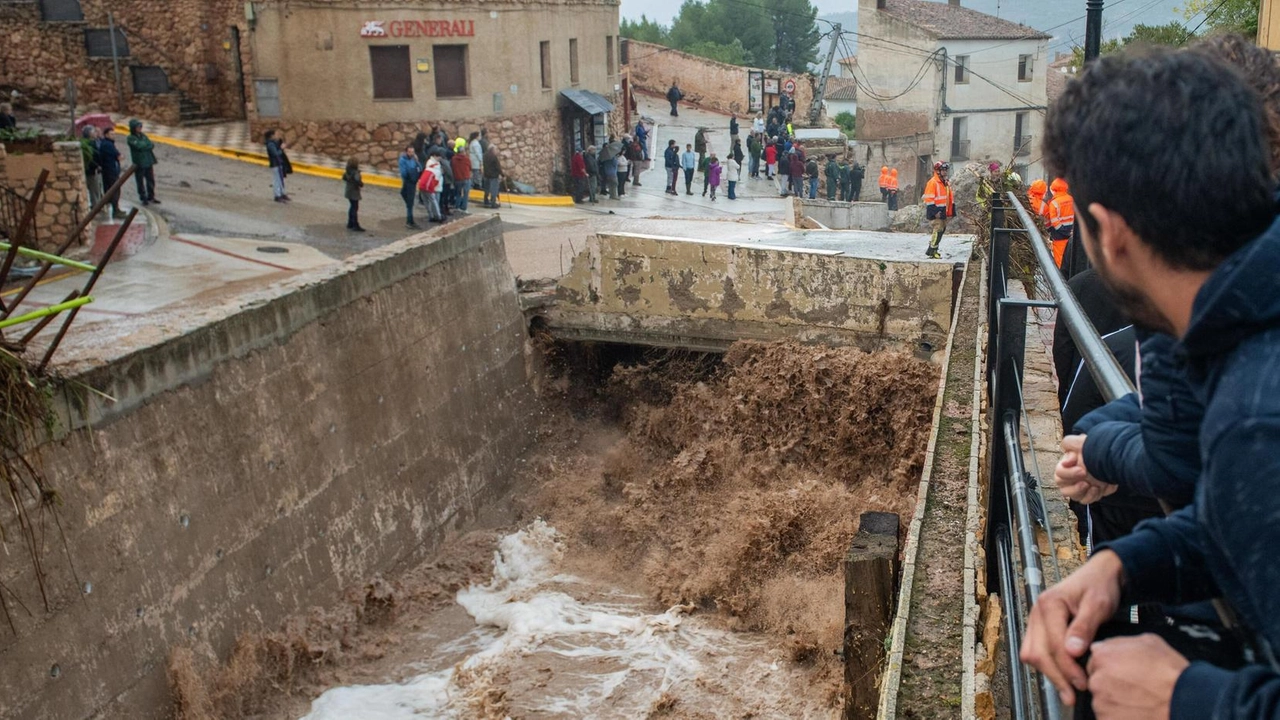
733,175
714,170
492,175
353,182
592,161
410,171
578,172
671,163
733,128
462,174
142,153
92,166
674,96
688,163
109,159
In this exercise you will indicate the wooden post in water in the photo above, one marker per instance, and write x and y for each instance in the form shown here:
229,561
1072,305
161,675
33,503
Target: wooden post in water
870,592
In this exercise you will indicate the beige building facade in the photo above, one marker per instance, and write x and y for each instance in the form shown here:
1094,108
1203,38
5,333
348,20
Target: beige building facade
1269,25
360,80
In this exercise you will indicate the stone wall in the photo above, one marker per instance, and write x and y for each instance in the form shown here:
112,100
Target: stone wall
880,124
903,153
706,295
707,83
531,146
286,448
65,201
184,37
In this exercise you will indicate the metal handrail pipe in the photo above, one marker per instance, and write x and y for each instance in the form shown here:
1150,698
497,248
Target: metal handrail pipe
1032,568
1012,625
1103,366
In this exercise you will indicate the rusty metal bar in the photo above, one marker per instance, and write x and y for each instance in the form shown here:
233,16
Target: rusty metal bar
88,287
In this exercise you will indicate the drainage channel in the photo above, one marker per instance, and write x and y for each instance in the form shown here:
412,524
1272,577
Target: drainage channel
671,547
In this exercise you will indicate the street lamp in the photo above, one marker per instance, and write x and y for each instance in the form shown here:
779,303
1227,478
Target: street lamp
1092,29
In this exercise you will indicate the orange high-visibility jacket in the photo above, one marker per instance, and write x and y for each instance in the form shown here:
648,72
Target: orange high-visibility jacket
1035,195
1062,219
938,194
884,177
893,180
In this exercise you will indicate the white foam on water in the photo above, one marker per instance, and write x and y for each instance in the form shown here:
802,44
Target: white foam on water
562,656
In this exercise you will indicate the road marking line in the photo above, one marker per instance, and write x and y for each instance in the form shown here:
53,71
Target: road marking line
231,254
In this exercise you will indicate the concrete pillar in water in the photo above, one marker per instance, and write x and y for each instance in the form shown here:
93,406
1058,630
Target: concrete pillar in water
870,591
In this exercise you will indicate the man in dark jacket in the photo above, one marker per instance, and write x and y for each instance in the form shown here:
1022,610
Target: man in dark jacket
833,178
578,171
142,152
674,96
592,162
856,174
492,177
1198,262
671,163
276,160
109,159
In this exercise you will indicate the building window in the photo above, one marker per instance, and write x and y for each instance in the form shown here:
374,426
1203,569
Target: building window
962,69
451,70
61,11
573,61
267,93
1024,68
624,49
608,55
544,52
392,73
149,79
960,138
1021,138
97,43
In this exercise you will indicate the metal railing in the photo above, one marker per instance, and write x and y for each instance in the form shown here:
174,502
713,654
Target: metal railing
1016,504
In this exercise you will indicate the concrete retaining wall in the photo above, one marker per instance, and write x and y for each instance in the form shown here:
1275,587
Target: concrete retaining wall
339,425
703,295
841,215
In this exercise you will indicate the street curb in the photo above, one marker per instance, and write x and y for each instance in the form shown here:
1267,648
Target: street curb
336,174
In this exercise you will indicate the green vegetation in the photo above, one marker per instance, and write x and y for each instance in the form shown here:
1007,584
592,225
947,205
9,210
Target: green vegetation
1237,16
780,34
1172,34
848,122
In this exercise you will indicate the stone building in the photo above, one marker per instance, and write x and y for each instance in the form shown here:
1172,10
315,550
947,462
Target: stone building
950,84
180,59
351,79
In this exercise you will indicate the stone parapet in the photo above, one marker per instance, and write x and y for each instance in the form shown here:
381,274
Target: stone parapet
65,201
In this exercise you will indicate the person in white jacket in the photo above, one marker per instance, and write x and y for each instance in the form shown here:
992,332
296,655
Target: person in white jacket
732,174
433,186
475,152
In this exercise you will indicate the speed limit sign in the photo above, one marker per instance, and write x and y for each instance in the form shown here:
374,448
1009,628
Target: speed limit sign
789,87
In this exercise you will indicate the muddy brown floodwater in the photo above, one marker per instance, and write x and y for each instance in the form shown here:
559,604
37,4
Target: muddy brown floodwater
670,549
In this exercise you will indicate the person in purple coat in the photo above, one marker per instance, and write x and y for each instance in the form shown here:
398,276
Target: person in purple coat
714,168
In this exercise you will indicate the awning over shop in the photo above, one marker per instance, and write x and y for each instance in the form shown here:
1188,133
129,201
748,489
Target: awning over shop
592,103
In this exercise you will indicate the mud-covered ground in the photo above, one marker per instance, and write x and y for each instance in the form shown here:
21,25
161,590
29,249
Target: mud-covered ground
721,491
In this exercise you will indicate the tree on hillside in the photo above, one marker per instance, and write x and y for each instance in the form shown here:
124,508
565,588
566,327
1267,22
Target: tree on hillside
1172,34
762,33
1238,16
795,34
644,30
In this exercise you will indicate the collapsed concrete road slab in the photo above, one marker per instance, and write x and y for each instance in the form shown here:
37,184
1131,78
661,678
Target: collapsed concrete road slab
861,289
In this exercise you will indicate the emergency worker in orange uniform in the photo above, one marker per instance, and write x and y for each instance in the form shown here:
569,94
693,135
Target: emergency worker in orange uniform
1062,219
1035,196
939,204
884,183
893,189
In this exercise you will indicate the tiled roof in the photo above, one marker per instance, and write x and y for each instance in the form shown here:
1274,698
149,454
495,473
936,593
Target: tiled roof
949,22
1055,82
851,60
845,89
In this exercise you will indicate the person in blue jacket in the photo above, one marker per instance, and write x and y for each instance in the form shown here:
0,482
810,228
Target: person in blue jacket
1198,260
410,171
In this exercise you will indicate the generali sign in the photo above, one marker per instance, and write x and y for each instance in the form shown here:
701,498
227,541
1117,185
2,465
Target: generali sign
418,28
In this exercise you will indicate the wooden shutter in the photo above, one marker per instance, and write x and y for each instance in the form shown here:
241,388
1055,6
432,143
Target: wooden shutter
451,70
392,76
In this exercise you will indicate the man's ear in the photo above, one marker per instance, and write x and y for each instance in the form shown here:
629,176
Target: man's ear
1114,238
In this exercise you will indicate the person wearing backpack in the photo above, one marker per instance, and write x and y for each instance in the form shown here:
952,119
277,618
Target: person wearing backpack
431,184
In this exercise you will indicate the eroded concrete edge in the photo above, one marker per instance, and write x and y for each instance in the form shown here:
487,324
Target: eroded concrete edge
973,521
898,638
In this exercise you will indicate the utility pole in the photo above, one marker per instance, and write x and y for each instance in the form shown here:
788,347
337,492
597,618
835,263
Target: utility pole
115,62
1092,30
816,109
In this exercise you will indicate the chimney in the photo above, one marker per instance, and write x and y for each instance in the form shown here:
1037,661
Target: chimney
953,3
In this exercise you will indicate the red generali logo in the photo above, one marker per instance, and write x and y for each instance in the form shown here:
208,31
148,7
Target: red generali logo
418,28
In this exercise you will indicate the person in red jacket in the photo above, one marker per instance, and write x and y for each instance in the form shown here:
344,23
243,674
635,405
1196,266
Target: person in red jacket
461,164
578,171
770,160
